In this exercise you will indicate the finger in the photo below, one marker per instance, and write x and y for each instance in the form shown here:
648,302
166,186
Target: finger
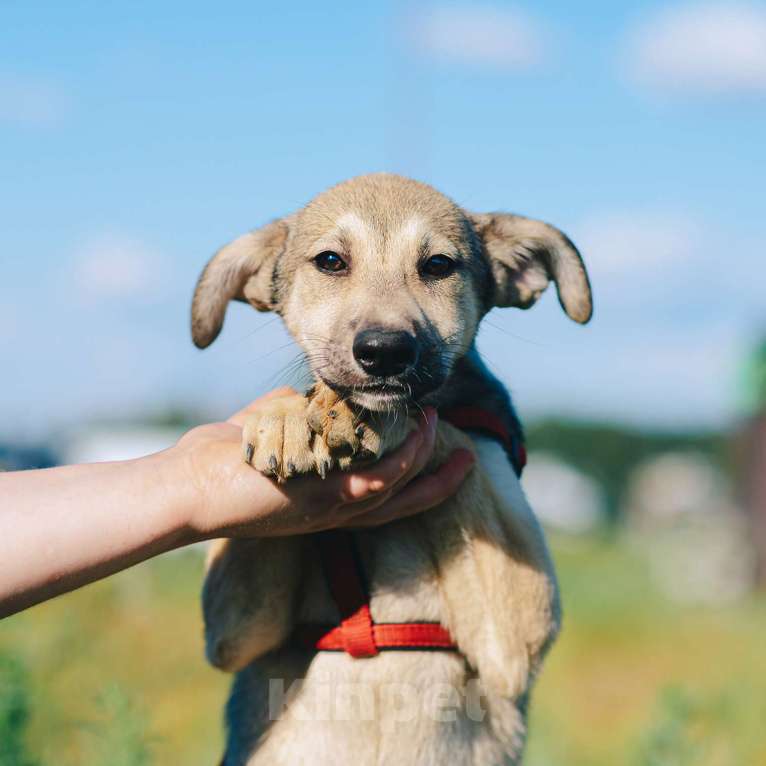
428,422
238,418
374,499
345,515
427,428
421,494
359,485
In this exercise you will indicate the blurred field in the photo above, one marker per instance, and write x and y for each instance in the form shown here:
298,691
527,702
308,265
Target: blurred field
114,674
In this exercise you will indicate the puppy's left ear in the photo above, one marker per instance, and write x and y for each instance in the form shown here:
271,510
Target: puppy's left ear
526,255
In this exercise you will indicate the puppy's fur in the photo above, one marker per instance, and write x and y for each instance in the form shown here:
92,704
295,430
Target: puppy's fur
478,563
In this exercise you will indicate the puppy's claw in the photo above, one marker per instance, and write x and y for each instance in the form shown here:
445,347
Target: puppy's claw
290,468
359,431
273,464
322,468
249,452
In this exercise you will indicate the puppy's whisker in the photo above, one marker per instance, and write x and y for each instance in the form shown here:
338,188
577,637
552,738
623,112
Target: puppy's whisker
273,351
249,335
292,368
502,329
422,411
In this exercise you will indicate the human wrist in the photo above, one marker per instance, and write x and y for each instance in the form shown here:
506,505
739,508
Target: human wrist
178,497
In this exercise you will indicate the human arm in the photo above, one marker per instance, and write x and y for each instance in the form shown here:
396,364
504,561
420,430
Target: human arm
62,528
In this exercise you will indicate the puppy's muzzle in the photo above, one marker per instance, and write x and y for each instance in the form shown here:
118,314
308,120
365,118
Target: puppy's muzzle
385,353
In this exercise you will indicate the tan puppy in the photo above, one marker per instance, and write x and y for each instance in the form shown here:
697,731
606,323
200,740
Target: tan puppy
383,281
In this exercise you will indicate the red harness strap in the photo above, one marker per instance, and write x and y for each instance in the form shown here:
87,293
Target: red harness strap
357,634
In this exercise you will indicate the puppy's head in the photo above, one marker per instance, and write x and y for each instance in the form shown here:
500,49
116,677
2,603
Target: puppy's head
383,282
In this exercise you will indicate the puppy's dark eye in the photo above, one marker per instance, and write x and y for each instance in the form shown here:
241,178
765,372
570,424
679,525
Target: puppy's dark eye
329,261
438,266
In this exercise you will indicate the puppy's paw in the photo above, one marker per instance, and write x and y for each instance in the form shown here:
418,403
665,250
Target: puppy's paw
277,440
513,679
298,434
342,434
521,615
536,626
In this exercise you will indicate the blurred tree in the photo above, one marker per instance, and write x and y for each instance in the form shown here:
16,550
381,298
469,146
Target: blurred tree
752,451
754,380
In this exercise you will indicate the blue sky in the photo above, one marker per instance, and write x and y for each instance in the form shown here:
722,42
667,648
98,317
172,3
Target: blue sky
135,140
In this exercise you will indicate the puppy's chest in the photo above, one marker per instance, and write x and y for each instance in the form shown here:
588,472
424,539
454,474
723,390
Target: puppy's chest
396,567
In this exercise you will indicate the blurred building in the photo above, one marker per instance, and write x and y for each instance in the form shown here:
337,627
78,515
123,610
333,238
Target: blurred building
681,514
16,457
101,443
564,498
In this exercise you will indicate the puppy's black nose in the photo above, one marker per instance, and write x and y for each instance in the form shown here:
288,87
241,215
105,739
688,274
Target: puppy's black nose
385,352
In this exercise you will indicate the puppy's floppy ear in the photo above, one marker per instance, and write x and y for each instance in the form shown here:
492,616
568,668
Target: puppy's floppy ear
241,270
526,255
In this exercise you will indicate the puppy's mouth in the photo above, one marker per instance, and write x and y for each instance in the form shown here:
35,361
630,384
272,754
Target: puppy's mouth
378,395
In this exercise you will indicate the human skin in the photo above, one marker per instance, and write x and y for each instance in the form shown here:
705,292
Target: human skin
61,528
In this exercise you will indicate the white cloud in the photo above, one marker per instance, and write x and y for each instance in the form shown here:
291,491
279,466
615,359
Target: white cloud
31,101
658,260
703,48
502,38
114,266
636,256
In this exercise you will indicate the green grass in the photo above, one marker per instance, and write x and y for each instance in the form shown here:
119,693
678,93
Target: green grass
14,714
114,674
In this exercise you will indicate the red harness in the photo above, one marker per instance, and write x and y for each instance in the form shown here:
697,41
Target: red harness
357,634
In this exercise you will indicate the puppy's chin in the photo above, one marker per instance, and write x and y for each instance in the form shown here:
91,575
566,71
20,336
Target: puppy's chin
377,401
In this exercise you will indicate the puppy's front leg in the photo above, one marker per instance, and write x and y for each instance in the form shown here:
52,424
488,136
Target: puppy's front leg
251,585
495,573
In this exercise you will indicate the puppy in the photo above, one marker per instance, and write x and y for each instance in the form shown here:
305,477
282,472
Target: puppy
383,282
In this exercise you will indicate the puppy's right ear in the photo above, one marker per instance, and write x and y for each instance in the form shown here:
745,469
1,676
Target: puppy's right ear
525,255
241,270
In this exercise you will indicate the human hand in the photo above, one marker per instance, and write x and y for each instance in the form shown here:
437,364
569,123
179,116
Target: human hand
230,499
